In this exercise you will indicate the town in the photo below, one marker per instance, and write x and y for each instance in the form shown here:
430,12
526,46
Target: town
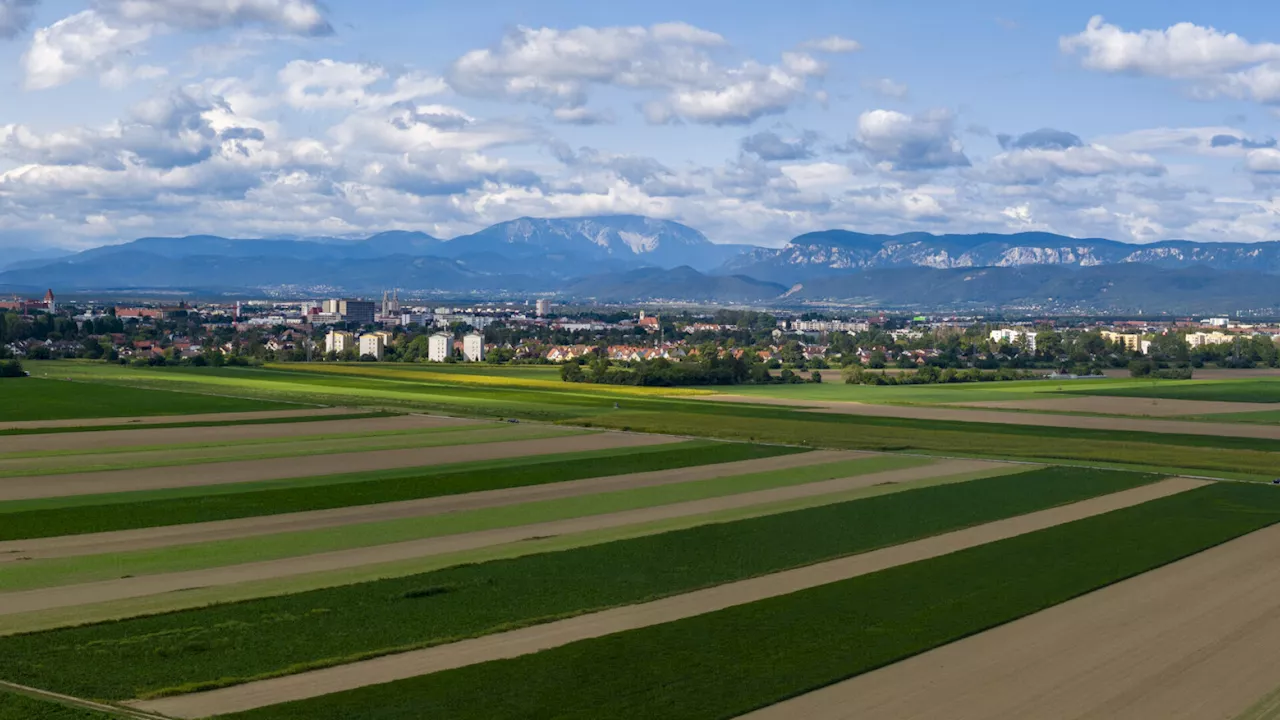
781,346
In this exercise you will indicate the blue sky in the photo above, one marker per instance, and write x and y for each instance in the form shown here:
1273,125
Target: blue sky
753,123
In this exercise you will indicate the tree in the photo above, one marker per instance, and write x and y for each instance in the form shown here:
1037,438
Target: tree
11,368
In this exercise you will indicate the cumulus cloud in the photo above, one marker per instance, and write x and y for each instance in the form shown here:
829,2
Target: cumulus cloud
1216,62
899,141
1182,50
1046,163
558,68
102,39
833,44
1265,161
300,17
768,145
15,16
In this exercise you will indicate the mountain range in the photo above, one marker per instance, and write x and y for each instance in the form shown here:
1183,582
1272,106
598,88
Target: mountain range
628,257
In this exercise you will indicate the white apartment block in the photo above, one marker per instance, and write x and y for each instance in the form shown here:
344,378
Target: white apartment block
1198,339
473,347
1012,336
439,347
338,341
373,344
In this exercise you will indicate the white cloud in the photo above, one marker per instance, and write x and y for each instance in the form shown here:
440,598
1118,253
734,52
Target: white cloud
301,17
886,88
327,83
1264,160
1217,63
833,44
1182,50
558,68
1039,164
904,142
15,16
75,45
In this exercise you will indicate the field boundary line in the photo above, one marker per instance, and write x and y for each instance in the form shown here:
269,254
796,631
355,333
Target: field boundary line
59,698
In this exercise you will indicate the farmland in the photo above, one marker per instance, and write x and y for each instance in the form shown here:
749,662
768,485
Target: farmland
368,540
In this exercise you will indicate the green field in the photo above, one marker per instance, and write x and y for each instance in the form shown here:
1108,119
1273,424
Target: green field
74,519
33,398
730,662
107,566
1257,390
57,463
39,620
231,643
14,706
134,425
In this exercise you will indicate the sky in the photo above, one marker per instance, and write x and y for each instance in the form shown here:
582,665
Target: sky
750,121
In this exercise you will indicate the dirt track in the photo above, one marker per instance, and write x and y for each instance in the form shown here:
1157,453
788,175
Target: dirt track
235,471
126,540
1266,432
1195,640
71,595
164,419
555,634
1105,405
106,439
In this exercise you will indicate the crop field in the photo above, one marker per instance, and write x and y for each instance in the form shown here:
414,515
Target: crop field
726,663
233,643
363,541
332,492
1258,390
40,399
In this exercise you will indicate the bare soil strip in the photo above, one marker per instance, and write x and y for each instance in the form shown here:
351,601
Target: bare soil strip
165,419
235,471
88,593
554,634
1144,407
147,538
1266,432
1193,640
143,437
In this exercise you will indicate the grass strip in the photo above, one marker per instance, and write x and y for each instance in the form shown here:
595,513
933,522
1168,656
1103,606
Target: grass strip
203,508
284,448
199,597
226,644
108,566
1256,390
200,424
726,663
245,442
136,496
970,439
33,398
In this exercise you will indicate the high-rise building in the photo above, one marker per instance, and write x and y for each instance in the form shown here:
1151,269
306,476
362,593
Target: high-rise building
543,307
473,347
439,347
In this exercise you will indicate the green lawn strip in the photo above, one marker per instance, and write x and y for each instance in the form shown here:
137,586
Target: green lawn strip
973,440
88,568
198,423
287,448
419,472
224,644
1255,390
34,398
726,663
204,508
200,597
18,706
1130,467
250,442
1261,417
